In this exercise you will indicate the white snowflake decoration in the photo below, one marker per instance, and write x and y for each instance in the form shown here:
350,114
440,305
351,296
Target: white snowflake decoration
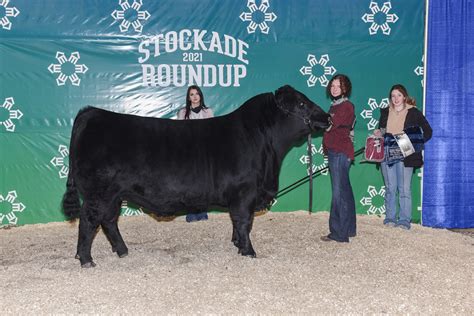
59,161
16,207
304,159
249,16
389,18
10,12
308,70
12,114
128,211
420,70
367,200
78,68
119,15
368,114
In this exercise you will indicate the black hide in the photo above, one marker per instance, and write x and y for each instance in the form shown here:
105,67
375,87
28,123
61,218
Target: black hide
231,161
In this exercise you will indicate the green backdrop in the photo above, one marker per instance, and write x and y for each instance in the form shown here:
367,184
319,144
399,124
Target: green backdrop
138,56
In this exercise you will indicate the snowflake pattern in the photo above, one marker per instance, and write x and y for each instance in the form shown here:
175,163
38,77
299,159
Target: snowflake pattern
368,114
59,161
368,200
119,15
15,207
308,70
10,12
78,68
304,159
254,10
420,70
12,114
129,211
389,18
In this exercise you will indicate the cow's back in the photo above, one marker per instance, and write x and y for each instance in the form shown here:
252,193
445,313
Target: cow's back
164,163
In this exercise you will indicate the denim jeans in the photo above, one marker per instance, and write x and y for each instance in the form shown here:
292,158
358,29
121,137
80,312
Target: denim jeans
194,217
342,218
397,178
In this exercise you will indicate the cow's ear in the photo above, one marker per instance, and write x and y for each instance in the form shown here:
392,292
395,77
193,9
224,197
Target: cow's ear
280,95
281,90
278,91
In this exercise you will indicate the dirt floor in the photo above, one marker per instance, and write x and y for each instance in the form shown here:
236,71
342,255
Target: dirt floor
179,268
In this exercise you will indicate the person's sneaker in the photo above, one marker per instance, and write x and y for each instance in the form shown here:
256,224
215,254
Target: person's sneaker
390,224
326,238
405,227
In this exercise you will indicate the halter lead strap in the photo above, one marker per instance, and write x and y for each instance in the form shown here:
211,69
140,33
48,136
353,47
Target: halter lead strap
310,168
307,121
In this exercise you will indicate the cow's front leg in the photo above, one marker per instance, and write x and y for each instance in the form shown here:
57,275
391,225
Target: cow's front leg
235,235
242,223
88,224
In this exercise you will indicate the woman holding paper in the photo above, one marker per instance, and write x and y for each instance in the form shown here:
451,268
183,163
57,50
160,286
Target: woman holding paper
401,122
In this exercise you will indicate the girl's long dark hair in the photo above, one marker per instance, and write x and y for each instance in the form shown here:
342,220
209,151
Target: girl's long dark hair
188,101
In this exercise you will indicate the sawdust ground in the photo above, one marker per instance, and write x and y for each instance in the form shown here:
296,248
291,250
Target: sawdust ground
179,268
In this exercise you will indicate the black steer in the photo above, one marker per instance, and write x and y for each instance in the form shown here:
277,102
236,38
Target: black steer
231,161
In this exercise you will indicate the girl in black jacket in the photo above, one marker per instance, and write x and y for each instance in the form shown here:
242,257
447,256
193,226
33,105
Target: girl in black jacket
397,117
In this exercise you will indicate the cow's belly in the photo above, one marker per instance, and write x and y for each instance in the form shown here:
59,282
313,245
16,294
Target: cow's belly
164,189
168,202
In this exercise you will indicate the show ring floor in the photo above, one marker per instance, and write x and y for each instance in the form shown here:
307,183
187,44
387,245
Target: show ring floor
189,268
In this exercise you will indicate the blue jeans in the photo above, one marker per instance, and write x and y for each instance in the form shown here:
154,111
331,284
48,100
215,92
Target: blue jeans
342,218
195,217
397,178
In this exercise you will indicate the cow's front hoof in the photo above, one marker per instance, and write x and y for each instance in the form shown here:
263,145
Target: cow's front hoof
251,255
248,253
123,254
88,265
236,243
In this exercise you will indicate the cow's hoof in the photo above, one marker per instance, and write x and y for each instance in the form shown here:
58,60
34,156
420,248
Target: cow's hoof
122,255
248,253
88,265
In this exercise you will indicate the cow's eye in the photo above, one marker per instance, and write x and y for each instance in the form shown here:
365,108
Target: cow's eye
301,104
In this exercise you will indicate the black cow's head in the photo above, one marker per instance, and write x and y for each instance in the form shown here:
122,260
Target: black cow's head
297,105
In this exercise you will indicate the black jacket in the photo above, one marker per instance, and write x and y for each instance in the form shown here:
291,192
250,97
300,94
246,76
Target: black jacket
414,118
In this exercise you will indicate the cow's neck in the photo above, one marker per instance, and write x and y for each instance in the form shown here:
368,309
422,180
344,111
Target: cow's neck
287,131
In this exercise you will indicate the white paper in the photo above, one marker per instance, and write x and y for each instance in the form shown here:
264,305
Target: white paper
405,144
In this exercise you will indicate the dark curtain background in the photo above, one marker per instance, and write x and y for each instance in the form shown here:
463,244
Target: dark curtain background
448,198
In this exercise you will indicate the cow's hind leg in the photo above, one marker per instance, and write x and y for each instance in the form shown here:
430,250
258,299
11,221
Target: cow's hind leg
90,219
110,227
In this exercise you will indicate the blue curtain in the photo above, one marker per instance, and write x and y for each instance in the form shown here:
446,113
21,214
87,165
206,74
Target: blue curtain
448,177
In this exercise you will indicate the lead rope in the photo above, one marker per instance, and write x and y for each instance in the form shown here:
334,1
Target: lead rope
310,168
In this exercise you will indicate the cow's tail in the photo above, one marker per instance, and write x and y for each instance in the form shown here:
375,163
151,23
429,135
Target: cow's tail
71,201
